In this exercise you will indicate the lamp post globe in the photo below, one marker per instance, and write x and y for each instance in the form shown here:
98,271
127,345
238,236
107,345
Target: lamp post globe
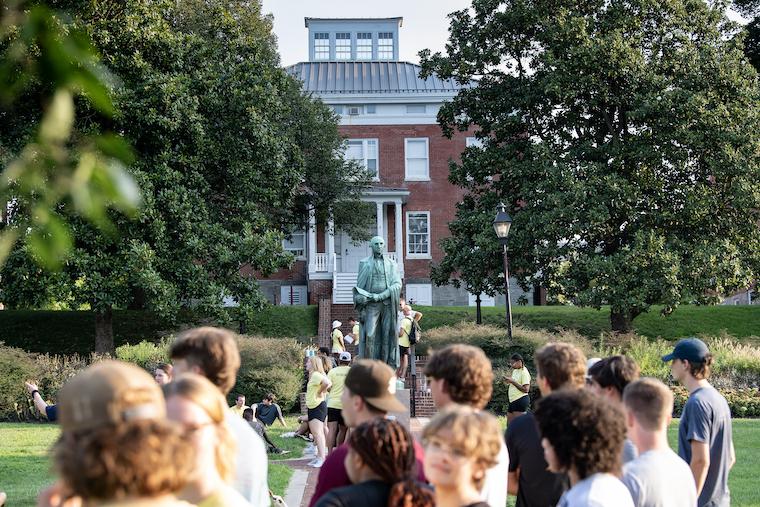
501,225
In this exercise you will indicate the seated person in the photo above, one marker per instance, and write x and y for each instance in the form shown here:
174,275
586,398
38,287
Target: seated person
268,411
258,427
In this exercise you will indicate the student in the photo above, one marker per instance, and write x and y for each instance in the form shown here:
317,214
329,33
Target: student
338,345
658,477
608,378
316,389
325,352
704,433
558,366
116,442
49,411
461,445
163,374
239,407
369,393
197,405
213,353
355,331
403,341
381,466
519,387
268,411
462,374
261,431
336,426
582,435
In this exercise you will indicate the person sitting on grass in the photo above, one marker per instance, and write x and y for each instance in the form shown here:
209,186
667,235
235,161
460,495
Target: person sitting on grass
461,445
582,435
381,466
259,428
268,411
116,445
239,407
49,411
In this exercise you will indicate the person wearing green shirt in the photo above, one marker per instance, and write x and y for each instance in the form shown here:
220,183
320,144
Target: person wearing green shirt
519,386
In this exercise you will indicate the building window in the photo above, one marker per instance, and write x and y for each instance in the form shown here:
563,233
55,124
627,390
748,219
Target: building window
416,153
337,109
342,46
370,109
415,109
364,46
295,243
385,46
321,46
418,234
364,151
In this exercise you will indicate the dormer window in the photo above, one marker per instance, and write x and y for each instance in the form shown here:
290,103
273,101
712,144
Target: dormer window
321,46
364,46
385,46
342,46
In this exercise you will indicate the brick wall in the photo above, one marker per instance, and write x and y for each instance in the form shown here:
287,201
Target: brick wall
323,326
318,290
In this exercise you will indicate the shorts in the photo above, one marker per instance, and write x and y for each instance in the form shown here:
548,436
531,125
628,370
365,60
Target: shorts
403,351
335,415
521,404
319,412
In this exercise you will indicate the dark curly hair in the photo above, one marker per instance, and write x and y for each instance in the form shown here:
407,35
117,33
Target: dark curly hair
615,371
387,448
467,372
586,431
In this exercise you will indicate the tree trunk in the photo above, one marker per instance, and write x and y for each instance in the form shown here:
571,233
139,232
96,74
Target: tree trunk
138,299
621,321
104,332
478,316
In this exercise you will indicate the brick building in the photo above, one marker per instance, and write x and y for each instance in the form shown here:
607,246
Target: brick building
388,117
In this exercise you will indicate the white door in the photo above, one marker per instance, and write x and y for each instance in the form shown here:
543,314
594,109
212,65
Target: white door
485,300
352,252
419,294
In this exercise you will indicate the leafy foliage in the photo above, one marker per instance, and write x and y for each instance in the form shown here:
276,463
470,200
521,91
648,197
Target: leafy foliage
624,137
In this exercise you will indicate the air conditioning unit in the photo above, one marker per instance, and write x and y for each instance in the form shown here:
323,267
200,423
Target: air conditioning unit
354,110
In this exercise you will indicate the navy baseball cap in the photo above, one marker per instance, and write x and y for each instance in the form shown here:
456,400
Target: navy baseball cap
691,349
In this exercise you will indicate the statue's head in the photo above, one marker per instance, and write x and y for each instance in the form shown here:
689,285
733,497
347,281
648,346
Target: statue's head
377,243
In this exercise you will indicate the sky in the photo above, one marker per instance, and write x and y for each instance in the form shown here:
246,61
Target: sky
425,24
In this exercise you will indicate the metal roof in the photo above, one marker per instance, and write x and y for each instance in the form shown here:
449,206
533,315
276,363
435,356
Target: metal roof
308,20
370,77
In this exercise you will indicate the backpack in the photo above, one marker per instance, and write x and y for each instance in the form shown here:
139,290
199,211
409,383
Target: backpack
415,334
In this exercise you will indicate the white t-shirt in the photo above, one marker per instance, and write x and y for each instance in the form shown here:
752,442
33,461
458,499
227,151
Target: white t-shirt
660,478
494,491
598,490
250,463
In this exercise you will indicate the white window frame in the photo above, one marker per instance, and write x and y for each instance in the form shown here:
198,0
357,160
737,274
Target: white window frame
385,51
411,255
416,109
363,52
426,177
340,45
412,289
319,53
295,251
365,150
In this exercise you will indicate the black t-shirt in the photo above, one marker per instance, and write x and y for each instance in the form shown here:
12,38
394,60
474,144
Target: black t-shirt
266,413
366,494
537,486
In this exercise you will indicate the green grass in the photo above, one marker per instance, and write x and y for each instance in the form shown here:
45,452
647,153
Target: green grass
739,321
25,467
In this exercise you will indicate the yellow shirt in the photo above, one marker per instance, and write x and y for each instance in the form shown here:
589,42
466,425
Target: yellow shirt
406,328
313,399
522,377
355,332
338,378
238,411
224,497
337,336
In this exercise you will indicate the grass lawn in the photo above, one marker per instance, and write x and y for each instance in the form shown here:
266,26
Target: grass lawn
25,468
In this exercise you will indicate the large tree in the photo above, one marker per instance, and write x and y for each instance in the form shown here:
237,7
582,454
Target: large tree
229,153
624,137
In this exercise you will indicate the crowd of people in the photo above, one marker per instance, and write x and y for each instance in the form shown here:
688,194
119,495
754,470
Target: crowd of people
596,437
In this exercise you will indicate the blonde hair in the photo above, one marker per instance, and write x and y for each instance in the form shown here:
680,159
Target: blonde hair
206,395
473,433
317,364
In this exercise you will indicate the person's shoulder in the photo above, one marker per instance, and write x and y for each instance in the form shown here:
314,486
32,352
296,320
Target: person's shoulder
524,423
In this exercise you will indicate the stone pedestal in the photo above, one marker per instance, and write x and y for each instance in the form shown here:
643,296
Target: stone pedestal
404,396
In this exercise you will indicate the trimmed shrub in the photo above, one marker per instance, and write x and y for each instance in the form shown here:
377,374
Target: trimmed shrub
16,367
147,355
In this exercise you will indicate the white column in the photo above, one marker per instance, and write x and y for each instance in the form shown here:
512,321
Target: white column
312,243
399,239
330,244
380,231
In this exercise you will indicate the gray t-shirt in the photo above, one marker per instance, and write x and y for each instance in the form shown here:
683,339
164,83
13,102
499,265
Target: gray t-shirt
659,478
598,490
707,418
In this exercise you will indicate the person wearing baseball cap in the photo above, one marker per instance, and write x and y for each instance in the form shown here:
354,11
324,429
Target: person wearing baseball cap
116,442
369,392
705,432
336,426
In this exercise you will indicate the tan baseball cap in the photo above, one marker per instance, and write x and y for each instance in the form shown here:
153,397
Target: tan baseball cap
374,381
109,392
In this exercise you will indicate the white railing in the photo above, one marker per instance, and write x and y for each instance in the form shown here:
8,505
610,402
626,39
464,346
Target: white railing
321,262
392,255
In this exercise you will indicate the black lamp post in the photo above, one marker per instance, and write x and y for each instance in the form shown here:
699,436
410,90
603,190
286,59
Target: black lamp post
501,225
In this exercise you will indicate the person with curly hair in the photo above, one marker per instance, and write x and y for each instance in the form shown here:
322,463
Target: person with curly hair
116,444
704,433
381,466
582,435
462,375
198,406
461,445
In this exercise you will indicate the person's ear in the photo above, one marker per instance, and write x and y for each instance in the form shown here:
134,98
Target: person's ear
629,418
196,369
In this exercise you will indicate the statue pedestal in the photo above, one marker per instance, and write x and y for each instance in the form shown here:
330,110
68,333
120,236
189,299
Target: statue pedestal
404,396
